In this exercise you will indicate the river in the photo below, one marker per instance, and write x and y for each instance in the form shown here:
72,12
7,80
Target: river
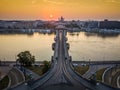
83,46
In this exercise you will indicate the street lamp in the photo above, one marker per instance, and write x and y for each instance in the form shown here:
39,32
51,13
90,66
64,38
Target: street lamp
89,61
93,79
0,63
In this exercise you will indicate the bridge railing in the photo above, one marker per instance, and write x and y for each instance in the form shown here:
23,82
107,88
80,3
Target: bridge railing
65,45
56,46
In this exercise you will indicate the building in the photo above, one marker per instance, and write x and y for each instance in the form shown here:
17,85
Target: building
109,24
61,19
91,24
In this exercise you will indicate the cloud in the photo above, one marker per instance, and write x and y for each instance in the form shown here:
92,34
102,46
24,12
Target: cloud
112,1
54,1
34,1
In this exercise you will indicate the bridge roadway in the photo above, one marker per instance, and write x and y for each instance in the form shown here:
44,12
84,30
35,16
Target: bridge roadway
62,76
59,75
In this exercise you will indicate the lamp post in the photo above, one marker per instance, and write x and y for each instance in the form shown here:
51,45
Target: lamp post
93,79
89,61
4,61
0,63
16,60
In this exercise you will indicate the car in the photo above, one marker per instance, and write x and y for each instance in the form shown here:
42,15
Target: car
75,64
83,64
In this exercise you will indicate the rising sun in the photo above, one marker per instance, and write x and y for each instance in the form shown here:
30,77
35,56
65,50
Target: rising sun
51,16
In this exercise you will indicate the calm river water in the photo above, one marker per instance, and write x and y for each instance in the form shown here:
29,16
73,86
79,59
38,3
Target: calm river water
83,46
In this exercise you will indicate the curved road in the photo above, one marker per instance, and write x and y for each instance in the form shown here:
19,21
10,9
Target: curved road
111,76
93,68
15,77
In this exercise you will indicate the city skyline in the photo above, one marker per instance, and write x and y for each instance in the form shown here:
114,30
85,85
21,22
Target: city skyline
53,9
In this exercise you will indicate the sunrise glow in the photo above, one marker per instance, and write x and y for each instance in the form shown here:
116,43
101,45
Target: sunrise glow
52,9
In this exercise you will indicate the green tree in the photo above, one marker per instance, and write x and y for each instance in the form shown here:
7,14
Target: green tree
25,58
46,66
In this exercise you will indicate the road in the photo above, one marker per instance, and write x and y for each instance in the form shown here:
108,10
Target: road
15,77
28,72
60,74
4,71
112,75
93,68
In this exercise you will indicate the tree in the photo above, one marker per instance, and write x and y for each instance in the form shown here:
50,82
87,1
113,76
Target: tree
46,66
25,58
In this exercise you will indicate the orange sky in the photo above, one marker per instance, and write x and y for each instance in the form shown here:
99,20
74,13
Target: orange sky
52,9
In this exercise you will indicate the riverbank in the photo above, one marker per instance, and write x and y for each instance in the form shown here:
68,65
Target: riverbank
11,63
